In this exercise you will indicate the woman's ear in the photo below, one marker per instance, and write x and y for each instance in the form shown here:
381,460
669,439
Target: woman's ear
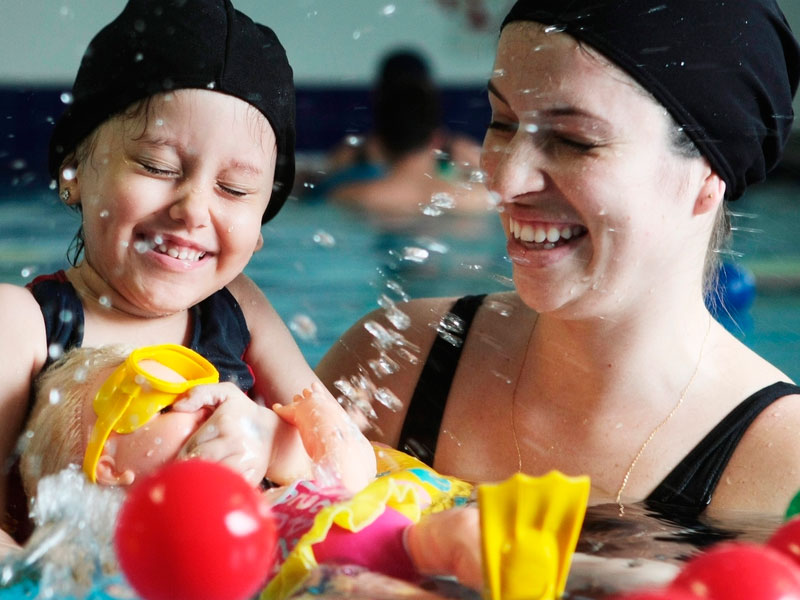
107,473
711,194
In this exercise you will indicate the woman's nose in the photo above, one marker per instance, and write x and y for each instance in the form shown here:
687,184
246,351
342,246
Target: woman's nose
517,167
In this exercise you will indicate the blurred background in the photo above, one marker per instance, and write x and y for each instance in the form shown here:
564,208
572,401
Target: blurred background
324,265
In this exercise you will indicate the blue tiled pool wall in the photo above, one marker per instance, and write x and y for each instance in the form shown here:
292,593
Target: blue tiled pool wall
324,116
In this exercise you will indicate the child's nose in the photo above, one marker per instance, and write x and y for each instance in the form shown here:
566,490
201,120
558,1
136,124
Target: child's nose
191,206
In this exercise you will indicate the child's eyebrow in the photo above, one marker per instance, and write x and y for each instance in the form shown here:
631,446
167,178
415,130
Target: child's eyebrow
245,167
235,164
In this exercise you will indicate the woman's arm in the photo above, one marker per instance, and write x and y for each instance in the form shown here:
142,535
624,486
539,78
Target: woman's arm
356,347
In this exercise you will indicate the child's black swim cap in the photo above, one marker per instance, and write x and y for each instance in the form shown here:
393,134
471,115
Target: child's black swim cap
156,46
726,71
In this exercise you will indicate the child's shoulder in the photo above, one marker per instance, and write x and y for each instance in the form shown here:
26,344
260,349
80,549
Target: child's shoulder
22,325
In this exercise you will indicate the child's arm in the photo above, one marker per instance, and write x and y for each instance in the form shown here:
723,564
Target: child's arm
279,367
23,350
341,453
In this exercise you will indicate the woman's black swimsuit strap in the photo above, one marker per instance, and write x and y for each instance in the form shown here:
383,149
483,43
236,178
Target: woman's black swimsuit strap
690,485
420,432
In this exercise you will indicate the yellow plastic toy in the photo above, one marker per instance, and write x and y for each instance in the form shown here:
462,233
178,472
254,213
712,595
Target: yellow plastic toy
131,395
529,530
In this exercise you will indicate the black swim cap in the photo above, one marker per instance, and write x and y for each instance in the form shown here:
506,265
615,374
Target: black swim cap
157,46
725,70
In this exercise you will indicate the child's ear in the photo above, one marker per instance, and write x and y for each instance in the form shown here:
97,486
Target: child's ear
107,473
711,194
259,243
68,184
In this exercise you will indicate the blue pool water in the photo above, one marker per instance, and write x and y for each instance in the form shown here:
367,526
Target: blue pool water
323,266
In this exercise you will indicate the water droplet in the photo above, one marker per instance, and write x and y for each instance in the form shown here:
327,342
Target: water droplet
555,28
414,254
478,176
81,373
68,173
104,213
55,351
105,301
138,57
499,73
304,327
356,35
28,271
324,239
389,9
388,399
211,85
66,97
54,397
159,122
141,246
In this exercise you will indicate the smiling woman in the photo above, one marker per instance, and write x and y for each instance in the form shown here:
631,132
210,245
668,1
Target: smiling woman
613,151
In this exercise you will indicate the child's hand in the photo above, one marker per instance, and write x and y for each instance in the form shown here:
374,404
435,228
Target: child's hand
448,543
340,452
239,433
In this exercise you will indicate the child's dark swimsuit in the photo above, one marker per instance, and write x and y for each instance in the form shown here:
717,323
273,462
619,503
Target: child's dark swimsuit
688,488
219,330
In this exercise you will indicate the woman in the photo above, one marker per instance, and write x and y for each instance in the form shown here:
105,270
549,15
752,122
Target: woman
612,150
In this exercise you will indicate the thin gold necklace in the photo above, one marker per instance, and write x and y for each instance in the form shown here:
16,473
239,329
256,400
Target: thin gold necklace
647,441
514,396
662,423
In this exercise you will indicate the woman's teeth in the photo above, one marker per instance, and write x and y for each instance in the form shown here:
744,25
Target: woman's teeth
548,235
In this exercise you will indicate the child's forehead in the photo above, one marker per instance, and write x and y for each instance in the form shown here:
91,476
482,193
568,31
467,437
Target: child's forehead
165,118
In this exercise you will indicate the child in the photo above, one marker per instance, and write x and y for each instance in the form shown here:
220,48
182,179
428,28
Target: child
177,147
319,518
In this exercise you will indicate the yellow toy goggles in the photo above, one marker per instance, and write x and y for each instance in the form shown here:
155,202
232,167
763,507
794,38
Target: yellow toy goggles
131,396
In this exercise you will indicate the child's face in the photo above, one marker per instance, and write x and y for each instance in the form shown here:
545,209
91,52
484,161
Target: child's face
172,199
150,446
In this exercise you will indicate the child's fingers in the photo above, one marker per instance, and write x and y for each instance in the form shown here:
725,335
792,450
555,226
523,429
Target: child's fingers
212,394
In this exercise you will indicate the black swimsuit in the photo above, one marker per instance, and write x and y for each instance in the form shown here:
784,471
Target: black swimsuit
688,488
219,329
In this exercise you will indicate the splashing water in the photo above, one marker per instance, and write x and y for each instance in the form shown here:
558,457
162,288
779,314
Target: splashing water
71,547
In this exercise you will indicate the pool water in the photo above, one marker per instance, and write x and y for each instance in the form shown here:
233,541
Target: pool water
323,267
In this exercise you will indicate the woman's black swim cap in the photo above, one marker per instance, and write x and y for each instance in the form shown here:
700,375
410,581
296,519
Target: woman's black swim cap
157,46
725,70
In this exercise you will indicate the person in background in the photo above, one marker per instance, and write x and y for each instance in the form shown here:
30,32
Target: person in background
619,133
409,159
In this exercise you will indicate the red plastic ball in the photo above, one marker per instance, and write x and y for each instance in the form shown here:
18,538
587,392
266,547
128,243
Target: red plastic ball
786,540
195,529
740,571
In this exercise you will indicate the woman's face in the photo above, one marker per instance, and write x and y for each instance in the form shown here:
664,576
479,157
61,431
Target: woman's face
172,199
596,206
